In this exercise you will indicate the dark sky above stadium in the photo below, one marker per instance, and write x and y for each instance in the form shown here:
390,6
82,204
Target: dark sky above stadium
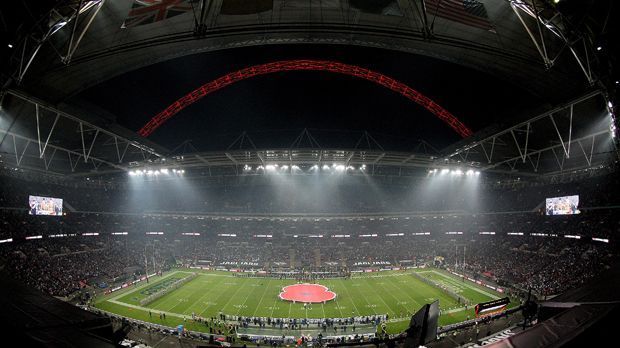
274,108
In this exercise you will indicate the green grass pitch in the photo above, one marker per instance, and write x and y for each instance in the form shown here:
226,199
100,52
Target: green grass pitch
396,293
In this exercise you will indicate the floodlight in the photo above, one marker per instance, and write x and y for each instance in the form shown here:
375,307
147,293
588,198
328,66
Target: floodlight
270,167
325,167
445,171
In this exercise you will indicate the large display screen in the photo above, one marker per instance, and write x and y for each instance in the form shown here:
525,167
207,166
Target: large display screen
45,205
567,205
491,307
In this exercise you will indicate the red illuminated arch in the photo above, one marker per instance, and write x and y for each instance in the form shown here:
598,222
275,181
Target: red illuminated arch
295,65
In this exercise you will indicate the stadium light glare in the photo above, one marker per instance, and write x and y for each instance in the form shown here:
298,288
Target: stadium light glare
10,46
339,167
285,167
164,170
598,48
445,171
325,167
477,172
470,172
610,104
270,167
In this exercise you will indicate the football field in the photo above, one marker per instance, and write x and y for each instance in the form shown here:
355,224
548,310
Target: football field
398,294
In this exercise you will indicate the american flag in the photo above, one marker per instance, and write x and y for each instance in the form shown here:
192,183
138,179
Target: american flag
468,12
151,11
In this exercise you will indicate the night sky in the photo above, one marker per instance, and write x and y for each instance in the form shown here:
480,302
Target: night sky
275,108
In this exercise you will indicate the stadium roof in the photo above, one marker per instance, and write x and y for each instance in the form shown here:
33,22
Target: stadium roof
555,54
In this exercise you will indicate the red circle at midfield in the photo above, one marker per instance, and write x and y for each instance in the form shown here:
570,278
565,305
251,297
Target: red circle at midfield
308,293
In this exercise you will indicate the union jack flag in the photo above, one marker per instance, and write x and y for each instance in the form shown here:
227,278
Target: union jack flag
151,11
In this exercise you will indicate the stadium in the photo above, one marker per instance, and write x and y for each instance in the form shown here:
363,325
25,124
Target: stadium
317,173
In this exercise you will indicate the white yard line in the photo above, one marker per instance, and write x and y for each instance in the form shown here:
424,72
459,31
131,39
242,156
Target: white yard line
201,297
469,286
131,289
261,298
243,304
382,300
394,297
231,297
351,298
407,293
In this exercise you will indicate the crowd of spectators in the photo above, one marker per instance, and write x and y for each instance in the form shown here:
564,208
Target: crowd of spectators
543,258
520,246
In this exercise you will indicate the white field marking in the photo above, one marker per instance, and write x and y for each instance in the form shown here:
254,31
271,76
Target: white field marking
218,296
454,310
231,297
180,293
243,306
382,300
469,286
208,292
145,309
365,299
351,299
139,287
216,275
406,292
381,276
323,309
262,297
273,308
179,301
398,301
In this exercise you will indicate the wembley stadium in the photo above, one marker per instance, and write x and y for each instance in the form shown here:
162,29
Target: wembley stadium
313,173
